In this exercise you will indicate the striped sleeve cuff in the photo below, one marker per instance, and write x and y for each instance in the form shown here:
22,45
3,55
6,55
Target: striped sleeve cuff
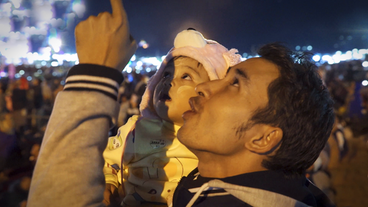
88,77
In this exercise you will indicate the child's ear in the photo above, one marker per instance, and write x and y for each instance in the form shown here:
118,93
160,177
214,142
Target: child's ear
267,143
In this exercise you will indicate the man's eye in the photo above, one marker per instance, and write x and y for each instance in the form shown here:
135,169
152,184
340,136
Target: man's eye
186,77
235,82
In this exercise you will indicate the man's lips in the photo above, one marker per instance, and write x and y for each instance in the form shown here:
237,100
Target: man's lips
191,104
193,108
194,103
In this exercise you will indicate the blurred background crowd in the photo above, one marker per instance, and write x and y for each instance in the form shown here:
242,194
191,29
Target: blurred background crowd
37,48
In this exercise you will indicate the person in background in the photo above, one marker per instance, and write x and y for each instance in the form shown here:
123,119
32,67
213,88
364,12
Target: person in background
19,105
37,111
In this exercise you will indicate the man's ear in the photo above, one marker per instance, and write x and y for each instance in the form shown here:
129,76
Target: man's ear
267,143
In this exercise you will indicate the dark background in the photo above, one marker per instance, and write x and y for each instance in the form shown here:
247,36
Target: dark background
327,25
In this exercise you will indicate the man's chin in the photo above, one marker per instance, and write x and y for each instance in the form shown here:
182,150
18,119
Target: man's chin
183,134
179,134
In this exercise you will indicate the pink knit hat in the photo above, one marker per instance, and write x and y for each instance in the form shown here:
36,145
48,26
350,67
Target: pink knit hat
214,57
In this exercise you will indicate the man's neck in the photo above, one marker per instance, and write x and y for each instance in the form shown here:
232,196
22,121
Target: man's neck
219,166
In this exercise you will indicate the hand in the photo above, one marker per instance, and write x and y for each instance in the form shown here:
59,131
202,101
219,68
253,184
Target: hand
105,39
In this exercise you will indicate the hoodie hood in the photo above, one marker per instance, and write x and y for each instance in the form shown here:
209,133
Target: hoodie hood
251,196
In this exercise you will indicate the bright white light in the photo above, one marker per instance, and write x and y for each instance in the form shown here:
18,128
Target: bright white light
38,65
349,54
163,57
5,25
79,9
21,13
316,58
129,70
2,74
151,60
70,16
356,54
14,49
55,44
133,58
16,3
42,12
309,47
59,58
54,64
8,61
139,64
6,8
29,78
21,72
328,59
74,57
365,64
29,58
34,31
43,63
56,22
363,51
365,83
148,70
336,58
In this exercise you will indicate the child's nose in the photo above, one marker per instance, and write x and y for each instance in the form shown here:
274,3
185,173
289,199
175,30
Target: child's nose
168,83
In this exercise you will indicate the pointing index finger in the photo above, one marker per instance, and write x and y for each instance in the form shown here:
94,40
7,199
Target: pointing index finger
118,11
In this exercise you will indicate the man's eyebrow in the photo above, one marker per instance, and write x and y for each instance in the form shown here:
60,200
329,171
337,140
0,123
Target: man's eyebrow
242,73
239,72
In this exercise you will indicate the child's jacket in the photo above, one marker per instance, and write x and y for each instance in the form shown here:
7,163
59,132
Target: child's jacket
153,163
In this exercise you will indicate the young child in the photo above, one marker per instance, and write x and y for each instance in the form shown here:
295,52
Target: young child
145,159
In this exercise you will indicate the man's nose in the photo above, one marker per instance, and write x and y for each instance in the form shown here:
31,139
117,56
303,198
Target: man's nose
207,89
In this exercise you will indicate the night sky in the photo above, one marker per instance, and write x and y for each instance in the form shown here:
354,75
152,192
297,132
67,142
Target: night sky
327,25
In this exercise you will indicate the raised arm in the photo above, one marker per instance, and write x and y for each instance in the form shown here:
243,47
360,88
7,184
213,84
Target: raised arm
69,168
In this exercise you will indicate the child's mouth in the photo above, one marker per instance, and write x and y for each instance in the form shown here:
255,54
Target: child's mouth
165,97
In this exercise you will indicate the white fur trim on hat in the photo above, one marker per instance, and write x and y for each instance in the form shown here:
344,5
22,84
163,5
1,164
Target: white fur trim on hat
214,57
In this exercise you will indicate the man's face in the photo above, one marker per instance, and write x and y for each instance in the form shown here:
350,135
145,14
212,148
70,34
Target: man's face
177,85
224,106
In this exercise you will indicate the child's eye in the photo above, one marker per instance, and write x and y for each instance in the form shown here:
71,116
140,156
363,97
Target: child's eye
186,77
235,82
166,75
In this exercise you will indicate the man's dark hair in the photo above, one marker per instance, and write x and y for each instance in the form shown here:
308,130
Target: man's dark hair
299,104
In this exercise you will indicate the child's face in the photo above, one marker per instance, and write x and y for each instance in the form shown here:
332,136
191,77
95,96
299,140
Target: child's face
177,85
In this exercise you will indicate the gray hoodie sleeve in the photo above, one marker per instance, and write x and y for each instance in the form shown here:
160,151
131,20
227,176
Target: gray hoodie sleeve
68,171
